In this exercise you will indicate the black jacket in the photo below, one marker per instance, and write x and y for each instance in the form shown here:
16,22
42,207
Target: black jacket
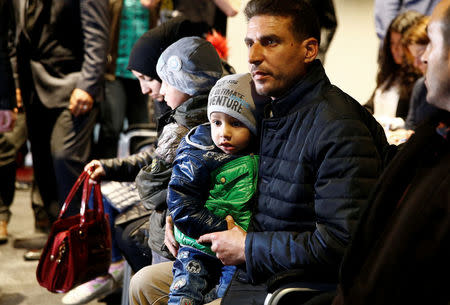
176,124
321,152
400,251
65,49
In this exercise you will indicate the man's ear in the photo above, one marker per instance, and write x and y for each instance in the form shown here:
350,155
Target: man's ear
311,46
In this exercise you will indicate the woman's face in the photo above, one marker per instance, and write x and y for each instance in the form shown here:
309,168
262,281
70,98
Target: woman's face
149,86
396,47
417,51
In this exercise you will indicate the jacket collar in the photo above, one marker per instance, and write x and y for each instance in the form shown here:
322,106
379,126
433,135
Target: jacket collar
189,114
304,92
200,137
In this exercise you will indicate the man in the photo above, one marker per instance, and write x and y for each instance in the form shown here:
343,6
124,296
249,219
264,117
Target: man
320,153
399,254
60,59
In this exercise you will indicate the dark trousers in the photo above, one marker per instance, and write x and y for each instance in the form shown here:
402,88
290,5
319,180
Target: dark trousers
60,146
10,143
132,242
123,98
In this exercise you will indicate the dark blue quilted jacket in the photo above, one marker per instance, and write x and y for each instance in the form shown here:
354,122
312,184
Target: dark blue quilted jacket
329,153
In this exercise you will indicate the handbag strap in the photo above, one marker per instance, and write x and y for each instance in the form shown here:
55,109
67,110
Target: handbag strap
87,187
72,192
98,201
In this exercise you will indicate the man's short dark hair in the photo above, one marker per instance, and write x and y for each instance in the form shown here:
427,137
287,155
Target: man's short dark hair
305,23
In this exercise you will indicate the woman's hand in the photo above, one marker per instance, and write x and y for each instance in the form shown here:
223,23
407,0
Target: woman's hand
95,170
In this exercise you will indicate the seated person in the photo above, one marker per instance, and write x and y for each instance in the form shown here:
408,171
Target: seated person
389,102
220,155
415,40
199,69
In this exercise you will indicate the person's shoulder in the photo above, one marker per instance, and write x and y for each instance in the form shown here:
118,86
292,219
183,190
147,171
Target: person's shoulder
336,104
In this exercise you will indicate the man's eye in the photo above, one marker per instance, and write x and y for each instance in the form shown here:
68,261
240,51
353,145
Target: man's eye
268,42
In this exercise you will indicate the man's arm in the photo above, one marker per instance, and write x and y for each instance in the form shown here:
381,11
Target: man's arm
347,164
95,28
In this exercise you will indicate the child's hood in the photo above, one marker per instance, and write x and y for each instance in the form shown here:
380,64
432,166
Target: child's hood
200,137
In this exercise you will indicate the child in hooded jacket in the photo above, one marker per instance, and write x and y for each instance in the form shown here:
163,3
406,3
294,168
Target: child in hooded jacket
214,175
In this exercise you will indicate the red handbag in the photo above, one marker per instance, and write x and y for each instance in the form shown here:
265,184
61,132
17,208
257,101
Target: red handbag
78,248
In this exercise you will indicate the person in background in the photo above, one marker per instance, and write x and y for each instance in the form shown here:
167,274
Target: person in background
320,154
7,120
416,41
212,12
386,10
389,102
328,24
399,254
123,97
60,62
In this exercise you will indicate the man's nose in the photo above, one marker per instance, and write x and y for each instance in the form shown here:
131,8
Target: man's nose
255,54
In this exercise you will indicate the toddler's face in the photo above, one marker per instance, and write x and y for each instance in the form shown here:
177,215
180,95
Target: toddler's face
173,96
228,133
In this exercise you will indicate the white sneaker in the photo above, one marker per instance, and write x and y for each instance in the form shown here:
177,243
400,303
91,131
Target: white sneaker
116,270
84,293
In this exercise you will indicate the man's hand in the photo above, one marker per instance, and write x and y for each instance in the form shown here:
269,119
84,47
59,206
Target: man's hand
169,237
7,120
81,102
229,245
95,170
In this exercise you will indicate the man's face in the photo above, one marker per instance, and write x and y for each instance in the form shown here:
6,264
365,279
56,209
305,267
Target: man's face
276,58
437,57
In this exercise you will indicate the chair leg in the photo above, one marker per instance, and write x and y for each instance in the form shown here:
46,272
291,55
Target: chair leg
126,283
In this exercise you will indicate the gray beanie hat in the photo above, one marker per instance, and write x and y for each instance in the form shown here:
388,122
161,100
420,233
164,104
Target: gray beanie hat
234,95
191,65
